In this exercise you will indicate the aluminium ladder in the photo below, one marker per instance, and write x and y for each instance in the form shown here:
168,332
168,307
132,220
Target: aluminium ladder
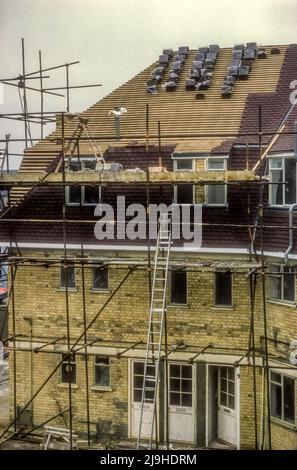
155,332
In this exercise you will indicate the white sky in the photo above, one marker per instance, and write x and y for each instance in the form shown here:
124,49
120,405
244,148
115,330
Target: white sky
115,39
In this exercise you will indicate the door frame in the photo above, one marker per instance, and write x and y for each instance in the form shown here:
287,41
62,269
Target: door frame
237,401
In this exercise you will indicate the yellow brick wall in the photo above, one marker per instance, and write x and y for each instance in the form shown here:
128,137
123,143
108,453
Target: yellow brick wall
37,295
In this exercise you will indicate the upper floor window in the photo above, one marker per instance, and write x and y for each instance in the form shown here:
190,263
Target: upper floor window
100,278
101,371
282,282
68,369
178,287
216,194
282,391
282,191
85,195
223,288
184,193
67,276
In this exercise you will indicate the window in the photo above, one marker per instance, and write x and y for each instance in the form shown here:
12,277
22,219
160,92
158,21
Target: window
227,387
184,193
282,283
102,371
138,376
283,179
282,396
86,195
68,369
100,278
178,287
69,273
180,385
223,287
216,194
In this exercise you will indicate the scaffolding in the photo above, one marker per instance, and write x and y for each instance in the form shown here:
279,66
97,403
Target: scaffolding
254,269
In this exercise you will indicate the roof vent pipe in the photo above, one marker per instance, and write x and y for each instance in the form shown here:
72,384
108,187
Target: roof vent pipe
117,112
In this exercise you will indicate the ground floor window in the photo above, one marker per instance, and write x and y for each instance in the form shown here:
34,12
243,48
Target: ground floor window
68,369
282,391
102,371
180,385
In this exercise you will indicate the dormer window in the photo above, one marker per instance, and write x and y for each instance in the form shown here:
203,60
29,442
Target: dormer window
184,193
84,195
282,191
216,194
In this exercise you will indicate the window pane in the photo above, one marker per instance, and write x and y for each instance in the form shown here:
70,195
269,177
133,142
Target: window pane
223,385
215,164
289,284
275,282
179,287
102,375
216,194
187,385
100,278
290,179
91,194
70,277
223,399
184,194
186,399
174,370
138,381
174,399
137,395
289,399
186,372
74,195
184,164
174,385
276,401
276,377
276,163
231,402
102,360
223,288
139,368
276,187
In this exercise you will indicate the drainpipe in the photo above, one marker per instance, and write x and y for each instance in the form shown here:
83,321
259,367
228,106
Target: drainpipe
291,237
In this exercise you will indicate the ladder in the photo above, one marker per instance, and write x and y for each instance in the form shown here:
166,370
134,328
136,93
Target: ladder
155,331
70,147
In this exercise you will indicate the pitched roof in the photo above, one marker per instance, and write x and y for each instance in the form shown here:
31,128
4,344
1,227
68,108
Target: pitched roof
178,112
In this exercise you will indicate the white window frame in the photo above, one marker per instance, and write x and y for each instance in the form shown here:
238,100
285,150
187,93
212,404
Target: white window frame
282,300
272,371
83,161
224,159
228,306
97,386
175,164
283,157
65,361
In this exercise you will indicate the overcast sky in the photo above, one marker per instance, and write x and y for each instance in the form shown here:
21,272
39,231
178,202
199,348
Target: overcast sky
115,39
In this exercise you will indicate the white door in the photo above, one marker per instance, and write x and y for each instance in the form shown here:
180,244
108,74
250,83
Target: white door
137,371
227,421
181,406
